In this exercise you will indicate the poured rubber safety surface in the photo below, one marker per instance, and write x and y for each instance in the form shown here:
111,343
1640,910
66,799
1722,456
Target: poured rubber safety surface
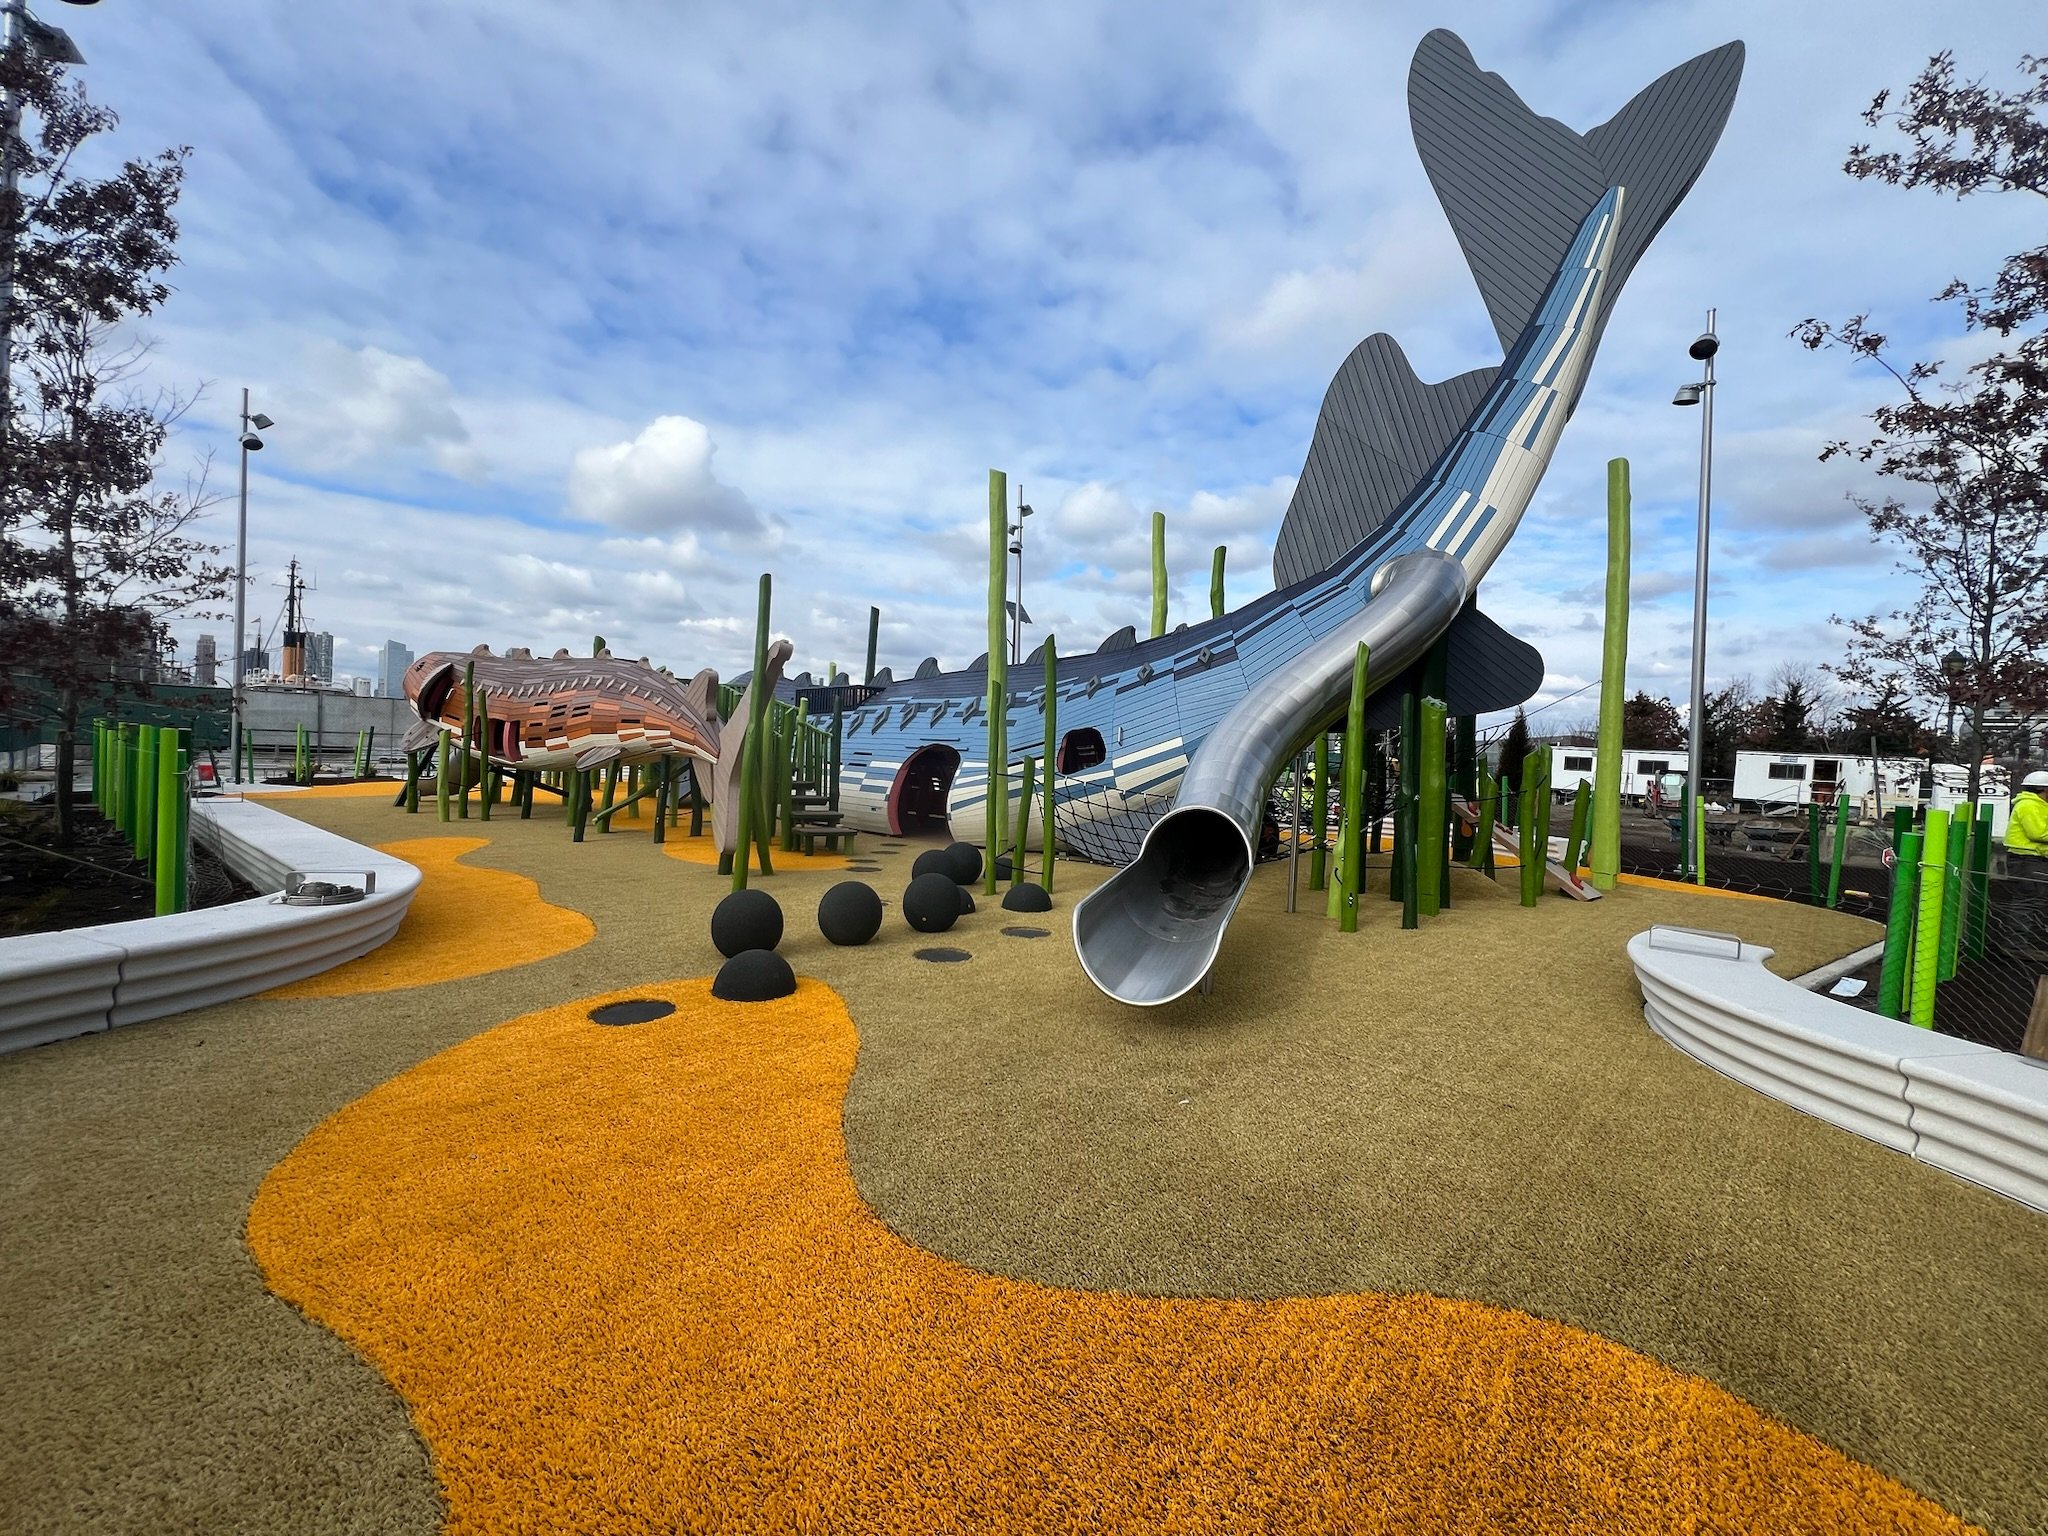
624,1282
464,921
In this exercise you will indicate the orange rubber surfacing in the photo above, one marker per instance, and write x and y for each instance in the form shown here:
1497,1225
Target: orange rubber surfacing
463,921
624,1281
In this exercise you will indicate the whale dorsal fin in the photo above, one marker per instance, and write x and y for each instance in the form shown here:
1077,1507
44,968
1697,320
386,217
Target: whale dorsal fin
929,667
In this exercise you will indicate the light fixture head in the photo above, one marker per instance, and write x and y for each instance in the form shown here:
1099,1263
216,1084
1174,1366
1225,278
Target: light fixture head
1016,549
251,442
1024,509
261,422
1954,662
1688,394
1704,346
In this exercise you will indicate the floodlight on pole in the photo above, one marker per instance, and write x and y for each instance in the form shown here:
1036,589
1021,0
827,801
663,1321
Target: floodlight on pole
1701,394
250,443
1017,615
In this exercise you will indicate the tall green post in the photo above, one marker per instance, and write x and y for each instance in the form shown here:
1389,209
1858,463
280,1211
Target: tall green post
1375,789
1464,780
144,829
1535,828
1927,937
1488,790
1158,574
1898,929
750,750
1816,891
1429,815
1319,815
483,739
1575,840
1046,826
874,639
170,793
441,774
1980,882
1216,581
1840,849
1407,824
1023,820
468,740
411,795
1613,676
1350,854
998,672
1952,898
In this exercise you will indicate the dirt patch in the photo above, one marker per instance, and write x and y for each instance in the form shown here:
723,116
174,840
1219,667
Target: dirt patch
48,887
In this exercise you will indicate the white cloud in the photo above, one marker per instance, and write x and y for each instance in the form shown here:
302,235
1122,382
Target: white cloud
349,406
660,482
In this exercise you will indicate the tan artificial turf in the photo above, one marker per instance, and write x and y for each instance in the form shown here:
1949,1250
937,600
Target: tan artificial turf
625,1282
462,922
1475,1110
702,850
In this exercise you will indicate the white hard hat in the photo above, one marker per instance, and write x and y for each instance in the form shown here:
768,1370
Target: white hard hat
2035,780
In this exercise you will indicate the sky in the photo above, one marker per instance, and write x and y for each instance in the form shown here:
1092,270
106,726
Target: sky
577,320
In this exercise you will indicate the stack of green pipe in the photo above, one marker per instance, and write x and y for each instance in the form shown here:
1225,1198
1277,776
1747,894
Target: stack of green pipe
1980,882
1898,929
1319,814
1927,935
1841,846
1046,824
1952,897
1350,855
1429,817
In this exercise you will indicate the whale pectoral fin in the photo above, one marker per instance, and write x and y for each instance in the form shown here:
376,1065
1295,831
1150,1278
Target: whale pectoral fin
423,734
597,757
1488,669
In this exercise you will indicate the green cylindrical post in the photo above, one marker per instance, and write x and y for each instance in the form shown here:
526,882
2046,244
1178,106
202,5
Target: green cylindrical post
750,751
1575,840
1023,820
468,740
1464,780
1407,824
1375,790
1350,856
1046,824
1952,897
483,738
1898,929
998,673
1927,937
1699,840
1216,581
1429,816
170,788
1535,846
577,778
1816,892
1487,788
874,638
1158,574
611,795
1902,823
1606,860
663,786
1319,814
441,774
1840,849
1980,882
145,784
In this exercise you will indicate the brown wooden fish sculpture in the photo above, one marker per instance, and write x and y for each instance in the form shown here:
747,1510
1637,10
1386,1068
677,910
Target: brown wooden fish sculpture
567,711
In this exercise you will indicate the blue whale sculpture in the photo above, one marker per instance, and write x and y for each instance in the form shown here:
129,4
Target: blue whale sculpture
1409,494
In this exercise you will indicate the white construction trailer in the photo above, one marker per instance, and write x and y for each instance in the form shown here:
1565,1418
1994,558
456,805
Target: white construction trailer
1572,766
1783,781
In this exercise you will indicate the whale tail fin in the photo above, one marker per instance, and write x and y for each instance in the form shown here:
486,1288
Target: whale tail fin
1516,188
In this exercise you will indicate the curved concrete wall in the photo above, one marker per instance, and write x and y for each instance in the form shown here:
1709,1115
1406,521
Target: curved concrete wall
1976,1112
53,986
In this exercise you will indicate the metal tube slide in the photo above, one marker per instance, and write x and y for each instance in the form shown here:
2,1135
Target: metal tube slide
1149,933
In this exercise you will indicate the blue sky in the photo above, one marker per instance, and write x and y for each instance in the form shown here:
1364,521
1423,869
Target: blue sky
575,320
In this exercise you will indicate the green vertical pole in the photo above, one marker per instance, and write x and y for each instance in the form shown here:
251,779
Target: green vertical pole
1840,848
441,774
1023,820
611,794
664,786
1319,814
874,637
1406,822
1980,882
184,802
468,740
1375,790
1606,860
1350,855
1952,897
170,787
1488,790
1898,929
1429,867
998,674
1464,781
750,750
1815,891
577,781
144,830
1158,574
414,761
1927,938
1575,840
1216,581
1699,840
1046,825
1535,827
1902,823
483,738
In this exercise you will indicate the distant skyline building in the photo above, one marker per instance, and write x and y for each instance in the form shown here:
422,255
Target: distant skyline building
320,656
205,662
391,664
255,659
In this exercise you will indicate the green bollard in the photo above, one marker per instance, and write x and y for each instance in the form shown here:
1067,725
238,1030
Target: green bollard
144,829
1046,824
170,786
1927,935
1319,815
1952,897
1980,882
1429,815
441,774
1841,847
1898,930
1349,854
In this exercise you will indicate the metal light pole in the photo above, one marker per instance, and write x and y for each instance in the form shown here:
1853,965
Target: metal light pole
1704,346
1017,608
250,443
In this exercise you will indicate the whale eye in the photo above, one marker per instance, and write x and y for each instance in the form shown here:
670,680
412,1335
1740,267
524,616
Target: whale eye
1381,577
